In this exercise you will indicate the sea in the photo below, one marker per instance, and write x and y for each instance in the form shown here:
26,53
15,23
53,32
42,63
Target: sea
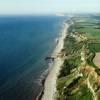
25,41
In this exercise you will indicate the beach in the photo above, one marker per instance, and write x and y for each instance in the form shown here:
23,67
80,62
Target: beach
50,82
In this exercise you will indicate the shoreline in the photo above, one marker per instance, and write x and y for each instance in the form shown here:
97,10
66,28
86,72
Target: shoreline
49,82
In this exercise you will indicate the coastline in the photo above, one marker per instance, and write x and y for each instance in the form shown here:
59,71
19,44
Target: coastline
82,62
49,83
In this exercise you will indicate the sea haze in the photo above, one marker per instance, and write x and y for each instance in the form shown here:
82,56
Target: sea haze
24,43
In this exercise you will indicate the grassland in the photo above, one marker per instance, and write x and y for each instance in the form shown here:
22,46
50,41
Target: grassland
94,47
79,78
89,25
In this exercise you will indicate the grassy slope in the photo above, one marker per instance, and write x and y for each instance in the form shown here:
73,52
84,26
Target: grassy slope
70,84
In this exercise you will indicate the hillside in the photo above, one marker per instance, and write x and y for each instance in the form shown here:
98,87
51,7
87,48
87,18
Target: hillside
79,77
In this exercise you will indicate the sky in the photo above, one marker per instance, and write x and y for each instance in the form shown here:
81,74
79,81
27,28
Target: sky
48,6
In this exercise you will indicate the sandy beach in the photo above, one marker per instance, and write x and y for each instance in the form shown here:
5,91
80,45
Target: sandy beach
50,82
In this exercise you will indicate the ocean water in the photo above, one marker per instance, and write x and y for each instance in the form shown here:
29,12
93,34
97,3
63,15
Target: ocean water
25,41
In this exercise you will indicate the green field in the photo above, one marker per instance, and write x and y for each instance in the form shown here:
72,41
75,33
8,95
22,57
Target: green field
89,25
95,47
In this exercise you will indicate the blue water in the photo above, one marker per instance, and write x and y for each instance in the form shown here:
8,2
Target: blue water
24,43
